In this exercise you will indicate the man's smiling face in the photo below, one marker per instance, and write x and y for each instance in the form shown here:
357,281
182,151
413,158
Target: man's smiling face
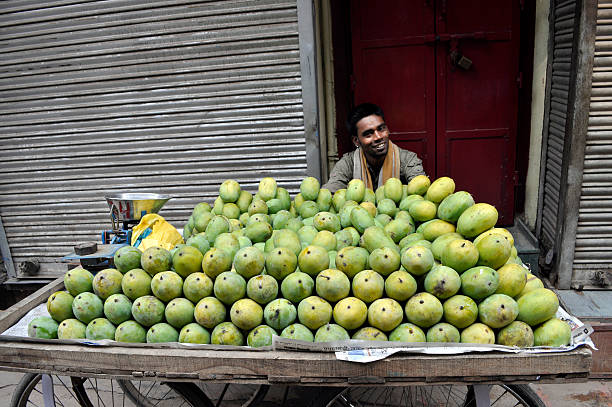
373,138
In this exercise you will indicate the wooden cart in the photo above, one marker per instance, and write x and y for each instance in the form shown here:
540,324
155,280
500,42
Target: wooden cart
277,367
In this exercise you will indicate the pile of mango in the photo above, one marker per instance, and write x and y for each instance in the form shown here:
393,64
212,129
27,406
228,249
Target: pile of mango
410,263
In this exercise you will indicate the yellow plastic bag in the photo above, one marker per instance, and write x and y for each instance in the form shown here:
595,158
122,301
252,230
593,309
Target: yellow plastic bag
153,230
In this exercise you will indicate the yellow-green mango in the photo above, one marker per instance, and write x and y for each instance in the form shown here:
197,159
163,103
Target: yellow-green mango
499,231
332,285
324,199
512,279
417,260
229,190
531,284
479,282
443,332
283,195
440,189
227,333
493,250
314,312
313,259
330,333
368,286
407,332
375,237
244,200
400,285
397,229
436,228
407,201
351,260
368,333
309,188
384,260
516,333
194,333
478,333
246,314
361,219
281,262
424,310
299,332
497,310
339,199
355,190
537,306
422,210
258,231
553,332
454,205
380,193
394,189
477,219
327,221
460,310
385,314
442,281
267,188
418,185
209,312
438,246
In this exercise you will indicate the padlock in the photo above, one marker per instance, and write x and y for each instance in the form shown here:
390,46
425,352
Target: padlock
464,62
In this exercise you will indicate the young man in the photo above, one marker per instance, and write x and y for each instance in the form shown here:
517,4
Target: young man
376,158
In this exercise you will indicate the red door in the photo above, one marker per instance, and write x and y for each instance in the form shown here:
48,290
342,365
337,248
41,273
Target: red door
461,121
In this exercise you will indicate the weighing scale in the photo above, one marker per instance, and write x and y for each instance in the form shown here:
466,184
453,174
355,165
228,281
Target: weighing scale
126,210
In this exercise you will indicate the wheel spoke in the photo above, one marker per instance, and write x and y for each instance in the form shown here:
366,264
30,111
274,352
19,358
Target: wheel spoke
164,396
69,389
95,388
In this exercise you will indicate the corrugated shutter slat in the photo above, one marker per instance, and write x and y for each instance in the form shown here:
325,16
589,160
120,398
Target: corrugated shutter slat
119,96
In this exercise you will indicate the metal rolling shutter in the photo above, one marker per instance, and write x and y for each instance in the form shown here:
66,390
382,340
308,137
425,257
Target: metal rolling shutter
593,254
562,36
160,96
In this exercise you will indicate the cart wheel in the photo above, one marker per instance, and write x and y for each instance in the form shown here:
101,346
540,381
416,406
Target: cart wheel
234,395
87,392
441,395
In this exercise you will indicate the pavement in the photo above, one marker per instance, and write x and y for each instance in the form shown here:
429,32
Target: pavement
593,393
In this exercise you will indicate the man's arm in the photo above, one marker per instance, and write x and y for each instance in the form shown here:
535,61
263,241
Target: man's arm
411,166
341,174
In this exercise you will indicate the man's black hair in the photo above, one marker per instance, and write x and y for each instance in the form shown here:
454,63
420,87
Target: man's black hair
358,113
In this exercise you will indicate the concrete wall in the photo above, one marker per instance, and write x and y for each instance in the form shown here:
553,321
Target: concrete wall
538,92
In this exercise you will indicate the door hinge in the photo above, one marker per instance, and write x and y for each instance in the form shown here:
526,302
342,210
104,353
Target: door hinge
519,80
515,178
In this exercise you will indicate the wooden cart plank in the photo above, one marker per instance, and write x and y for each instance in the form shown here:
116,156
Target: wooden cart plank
256,366
298,367
13,314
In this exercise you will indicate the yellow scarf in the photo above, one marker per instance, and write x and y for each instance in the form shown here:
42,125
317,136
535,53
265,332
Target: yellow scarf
390,167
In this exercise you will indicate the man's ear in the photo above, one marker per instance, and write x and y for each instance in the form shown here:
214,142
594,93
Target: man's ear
355,141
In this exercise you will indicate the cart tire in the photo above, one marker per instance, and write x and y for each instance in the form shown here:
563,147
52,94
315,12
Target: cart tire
73,392
189,391
421,396
238,395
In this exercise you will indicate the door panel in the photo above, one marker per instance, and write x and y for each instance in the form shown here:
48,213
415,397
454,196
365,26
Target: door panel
468,16
477,108
392,65
462,123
